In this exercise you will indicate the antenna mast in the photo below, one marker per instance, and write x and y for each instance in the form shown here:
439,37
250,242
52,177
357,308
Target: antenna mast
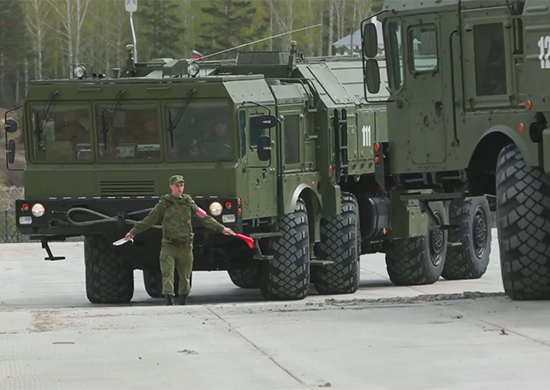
131,7
258,41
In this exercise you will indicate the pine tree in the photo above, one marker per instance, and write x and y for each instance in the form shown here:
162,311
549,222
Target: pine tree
231,23
13,50
161,28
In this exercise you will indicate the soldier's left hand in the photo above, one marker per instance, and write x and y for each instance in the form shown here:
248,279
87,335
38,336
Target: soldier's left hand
228,232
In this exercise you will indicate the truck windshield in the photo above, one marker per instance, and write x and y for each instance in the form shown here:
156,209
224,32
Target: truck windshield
63,134
130,132
202,133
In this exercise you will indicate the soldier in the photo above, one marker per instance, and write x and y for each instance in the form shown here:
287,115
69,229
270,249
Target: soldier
174,212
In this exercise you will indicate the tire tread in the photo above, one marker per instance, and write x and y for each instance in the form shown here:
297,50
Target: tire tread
109,279
523,221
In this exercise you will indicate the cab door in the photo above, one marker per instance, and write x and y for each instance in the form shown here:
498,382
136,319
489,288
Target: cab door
259,182
424,91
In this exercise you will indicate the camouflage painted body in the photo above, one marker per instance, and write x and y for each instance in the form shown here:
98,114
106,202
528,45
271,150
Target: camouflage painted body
468,116
176,229
141,129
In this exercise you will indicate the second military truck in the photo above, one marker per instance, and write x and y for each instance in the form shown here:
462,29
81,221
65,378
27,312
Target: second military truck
467,114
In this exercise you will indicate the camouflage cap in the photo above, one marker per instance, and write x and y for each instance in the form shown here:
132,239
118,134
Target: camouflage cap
176,179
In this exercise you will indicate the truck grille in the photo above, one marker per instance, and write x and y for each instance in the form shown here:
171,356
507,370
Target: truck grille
131,187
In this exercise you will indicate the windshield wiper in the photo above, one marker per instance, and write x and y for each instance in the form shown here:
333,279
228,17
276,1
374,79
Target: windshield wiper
179,114
39,128
106,126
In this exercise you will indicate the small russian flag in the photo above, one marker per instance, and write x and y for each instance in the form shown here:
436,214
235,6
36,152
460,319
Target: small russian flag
196,55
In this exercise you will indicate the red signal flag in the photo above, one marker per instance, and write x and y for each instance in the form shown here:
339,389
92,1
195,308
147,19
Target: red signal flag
248,240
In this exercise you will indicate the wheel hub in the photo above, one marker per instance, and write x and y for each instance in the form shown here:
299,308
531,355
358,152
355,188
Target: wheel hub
437,243
480,235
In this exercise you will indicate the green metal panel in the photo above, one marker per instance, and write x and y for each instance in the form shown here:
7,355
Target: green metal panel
429,128
362,154
330,84
258,179
407,218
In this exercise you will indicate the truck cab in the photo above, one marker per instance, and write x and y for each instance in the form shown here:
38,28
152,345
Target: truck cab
467,114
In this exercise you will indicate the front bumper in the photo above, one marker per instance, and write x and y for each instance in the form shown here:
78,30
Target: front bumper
56,223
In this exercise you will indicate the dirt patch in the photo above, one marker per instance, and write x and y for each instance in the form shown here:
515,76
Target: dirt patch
419,298
46,321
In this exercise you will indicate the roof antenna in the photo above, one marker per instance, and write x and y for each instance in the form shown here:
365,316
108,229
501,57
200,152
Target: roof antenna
131,7
258,41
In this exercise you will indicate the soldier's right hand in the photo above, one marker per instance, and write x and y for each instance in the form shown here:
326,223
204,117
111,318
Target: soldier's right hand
129,236
228,232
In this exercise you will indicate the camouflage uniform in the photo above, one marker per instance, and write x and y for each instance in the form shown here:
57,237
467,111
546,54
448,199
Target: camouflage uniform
177,237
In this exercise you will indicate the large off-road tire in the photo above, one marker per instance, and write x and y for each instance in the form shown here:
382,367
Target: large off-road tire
417,261
286,276
246,275
523,222
153,283
470,259
109,278
339,243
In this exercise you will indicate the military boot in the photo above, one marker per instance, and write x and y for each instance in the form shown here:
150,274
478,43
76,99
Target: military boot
182,300
169,299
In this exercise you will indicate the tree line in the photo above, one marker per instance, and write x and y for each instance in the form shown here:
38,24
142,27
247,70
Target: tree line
42,39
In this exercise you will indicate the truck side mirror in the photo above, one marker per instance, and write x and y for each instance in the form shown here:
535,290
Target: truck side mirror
263,121
11,152
372,73
10,126
370,40
264,148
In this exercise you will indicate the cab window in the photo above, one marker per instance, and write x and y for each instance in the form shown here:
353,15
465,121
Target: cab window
490,59
201,132
62,133
242,131
128,132
292,139
423,49
396,54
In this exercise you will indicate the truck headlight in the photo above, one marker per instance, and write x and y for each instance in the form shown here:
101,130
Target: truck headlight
193,69
215,209
79,71
38,210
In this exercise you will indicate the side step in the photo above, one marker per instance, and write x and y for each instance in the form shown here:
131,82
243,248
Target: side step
426,199
433,197
443,227
258,255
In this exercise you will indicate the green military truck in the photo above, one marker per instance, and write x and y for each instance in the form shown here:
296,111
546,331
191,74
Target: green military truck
279,147
467,116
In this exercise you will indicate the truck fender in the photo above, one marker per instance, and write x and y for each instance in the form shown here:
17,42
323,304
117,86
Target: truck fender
313,205
499,135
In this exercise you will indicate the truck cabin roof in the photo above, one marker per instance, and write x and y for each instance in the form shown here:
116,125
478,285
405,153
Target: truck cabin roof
428,6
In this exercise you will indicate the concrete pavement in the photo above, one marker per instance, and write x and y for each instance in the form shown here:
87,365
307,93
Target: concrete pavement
382,337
